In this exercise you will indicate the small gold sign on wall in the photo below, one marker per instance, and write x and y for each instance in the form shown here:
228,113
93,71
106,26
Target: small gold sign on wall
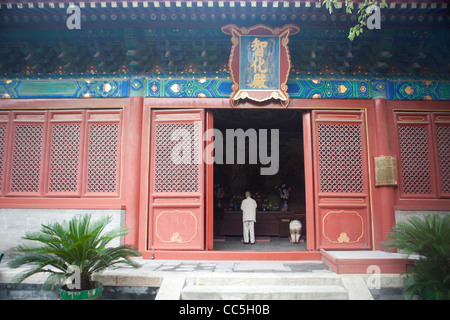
385,171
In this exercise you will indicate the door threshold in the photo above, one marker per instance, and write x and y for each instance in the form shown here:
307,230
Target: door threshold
232,255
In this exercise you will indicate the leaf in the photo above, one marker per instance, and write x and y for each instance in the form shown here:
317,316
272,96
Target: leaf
81,242
429,237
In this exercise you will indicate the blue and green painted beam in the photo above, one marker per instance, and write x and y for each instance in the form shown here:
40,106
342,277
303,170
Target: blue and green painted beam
216,87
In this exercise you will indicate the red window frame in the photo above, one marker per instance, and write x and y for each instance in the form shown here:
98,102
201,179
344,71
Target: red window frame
24,119
430,121
59,118
441,119
48,119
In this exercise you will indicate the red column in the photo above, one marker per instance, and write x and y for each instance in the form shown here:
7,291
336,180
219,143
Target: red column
383,202
132,168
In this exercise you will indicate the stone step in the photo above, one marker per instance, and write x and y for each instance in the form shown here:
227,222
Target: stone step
264,292
266,279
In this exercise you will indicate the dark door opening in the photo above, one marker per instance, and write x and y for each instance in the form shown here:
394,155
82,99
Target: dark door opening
269,171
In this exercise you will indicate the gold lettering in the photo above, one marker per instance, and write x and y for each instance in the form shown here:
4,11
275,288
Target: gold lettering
259,77
259,81
258,47
257,65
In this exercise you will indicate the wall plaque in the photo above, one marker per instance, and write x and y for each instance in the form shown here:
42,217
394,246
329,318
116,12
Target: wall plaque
259,62
385,171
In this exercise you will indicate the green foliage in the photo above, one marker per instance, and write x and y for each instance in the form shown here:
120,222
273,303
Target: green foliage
430,238
357,29
79,242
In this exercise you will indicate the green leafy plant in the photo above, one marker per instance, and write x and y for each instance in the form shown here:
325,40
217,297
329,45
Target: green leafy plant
80,242
430,239
358,28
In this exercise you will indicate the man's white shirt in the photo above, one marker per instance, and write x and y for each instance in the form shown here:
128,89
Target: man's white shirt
248,207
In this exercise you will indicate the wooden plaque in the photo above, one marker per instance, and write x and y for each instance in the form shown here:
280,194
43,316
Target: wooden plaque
259,62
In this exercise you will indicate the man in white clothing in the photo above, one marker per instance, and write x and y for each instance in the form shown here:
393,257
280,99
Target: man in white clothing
248,207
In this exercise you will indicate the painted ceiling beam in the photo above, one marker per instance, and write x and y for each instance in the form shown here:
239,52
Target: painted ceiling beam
205,5
190,12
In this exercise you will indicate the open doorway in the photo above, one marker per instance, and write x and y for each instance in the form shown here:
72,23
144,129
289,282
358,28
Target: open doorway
266,174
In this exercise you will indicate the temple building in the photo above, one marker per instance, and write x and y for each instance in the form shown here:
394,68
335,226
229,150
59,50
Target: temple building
163,114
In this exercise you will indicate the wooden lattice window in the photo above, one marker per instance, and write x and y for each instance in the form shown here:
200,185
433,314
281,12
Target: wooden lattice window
103,153
65,154
3,127
60,153
415,157
424,154
442,124
26,156
181,174
340,158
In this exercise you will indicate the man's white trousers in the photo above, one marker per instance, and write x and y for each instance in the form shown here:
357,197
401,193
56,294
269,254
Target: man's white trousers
249,230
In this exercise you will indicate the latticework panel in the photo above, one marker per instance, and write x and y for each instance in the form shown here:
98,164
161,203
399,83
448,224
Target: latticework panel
340,158
443,138
65,158
103,158
2,152
175,171
416,177
27,155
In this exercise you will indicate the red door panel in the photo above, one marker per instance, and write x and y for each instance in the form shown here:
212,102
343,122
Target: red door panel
176,204
341,185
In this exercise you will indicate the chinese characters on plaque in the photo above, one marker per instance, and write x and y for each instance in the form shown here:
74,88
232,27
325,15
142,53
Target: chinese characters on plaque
259,67
259,63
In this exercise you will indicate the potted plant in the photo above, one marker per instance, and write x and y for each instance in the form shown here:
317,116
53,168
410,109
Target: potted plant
430,239
73,251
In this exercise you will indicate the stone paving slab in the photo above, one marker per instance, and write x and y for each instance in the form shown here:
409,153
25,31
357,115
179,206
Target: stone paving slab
274,266
233,266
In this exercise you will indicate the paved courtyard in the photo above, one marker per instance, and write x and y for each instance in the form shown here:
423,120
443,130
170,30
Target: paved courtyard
198,280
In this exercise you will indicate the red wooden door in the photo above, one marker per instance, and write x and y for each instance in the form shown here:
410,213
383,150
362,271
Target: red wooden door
341,185
209,180
176,202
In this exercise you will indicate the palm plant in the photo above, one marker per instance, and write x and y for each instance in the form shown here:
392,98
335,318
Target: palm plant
79,242
430,239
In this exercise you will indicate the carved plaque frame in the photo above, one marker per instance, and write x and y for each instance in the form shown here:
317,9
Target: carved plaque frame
259,62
